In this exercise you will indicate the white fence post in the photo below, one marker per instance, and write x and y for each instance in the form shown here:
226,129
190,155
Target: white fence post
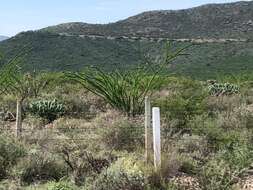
156,137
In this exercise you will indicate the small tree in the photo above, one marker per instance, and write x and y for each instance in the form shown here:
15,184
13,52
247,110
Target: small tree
14,82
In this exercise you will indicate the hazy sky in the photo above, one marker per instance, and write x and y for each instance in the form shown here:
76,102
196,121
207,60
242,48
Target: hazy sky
22,15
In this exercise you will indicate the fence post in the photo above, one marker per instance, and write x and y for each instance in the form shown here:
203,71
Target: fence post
19,119
147,128
156,137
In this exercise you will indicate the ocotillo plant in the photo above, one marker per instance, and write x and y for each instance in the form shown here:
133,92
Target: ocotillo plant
125,90
22,86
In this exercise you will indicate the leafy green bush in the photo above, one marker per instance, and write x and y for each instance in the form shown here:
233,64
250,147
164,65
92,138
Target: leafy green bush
219,89
39,166
10,152
47,109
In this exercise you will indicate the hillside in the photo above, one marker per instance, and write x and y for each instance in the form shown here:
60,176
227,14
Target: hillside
55,52
3,38
222,48
233,20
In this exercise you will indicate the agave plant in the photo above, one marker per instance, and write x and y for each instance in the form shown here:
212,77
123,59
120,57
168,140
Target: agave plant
47,109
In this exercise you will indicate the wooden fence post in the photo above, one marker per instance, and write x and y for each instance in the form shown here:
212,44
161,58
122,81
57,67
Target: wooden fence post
19,119
147,128
156,137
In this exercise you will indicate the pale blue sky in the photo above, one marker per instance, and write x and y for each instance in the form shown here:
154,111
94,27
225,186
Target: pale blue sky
22,15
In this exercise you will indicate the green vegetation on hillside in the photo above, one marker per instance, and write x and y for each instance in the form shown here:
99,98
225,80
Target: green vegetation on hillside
52,52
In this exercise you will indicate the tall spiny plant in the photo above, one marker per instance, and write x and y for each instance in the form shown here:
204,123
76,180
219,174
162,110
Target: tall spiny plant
14,82
126,90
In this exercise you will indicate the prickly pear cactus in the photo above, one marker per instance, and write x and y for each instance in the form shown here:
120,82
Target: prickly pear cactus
219,89
47,109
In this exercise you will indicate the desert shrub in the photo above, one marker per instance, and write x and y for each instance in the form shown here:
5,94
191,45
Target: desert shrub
171,164
75,105
238,155
33,122
47,109
217,137
219,89
61,185
10,152
194,152
8,103
226,167
235,118
191,143
81,162
179,108
125,173
82,104
223,103
174,164
39,166
123,135
216,175
69,125
83,132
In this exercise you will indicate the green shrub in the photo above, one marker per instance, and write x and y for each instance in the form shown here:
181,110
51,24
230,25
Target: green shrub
10,152
126,173
218,89
47,109
216,175
238,155
179,108
61,185
218,137
39,166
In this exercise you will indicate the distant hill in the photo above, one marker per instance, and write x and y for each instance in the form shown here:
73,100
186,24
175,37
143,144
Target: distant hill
3,38
232,20
223,32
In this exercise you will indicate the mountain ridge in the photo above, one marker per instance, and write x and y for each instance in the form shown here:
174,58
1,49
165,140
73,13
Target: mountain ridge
212,20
